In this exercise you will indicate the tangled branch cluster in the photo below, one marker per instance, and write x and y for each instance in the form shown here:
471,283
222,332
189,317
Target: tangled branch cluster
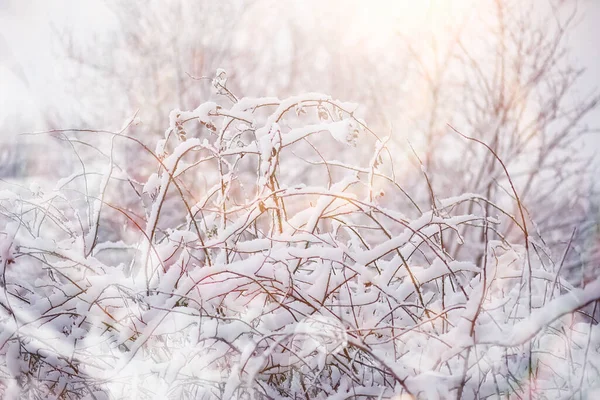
239,277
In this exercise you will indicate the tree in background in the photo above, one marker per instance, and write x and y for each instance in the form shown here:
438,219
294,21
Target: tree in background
498,71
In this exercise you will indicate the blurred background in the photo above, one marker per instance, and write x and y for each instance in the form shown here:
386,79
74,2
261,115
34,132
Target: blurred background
521,76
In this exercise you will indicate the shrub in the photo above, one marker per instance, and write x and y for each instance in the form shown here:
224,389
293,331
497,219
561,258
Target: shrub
261,261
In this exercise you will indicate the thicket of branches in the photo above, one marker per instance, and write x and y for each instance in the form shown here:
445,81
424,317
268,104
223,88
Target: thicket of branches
236,273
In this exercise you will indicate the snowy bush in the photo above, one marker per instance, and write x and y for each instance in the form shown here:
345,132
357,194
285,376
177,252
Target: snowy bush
263,261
